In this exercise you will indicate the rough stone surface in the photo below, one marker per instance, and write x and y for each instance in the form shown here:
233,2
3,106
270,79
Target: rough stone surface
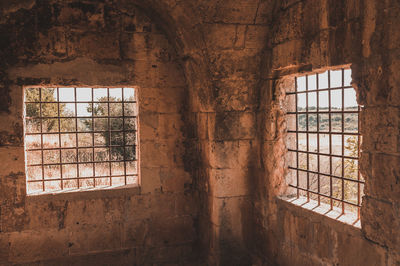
211,77
96,44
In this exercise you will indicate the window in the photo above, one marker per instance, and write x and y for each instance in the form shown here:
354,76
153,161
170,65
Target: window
80,138
323,141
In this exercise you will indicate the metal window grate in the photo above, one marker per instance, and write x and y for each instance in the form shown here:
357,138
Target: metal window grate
80,138
324,141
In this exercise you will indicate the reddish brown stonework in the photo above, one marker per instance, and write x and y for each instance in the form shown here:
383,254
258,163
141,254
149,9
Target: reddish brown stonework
211,77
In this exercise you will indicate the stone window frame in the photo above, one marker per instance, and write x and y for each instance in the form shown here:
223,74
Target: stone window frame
291,194
126,185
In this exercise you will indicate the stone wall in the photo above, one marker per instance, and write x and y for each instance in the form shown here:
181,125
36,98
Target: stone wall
311,35
210,76
76,43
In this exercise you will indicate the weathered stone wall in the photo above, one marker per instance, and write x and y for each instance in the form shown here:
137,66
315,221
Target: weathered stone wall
212,131
310,35
235,37
83,43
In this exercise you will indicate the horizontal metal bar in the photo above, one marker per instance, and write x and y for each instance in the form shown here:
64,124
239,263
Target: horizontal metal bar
83,147
326,196
85,102
325,154
323,112
77,117
323,132
79,178
74,163
328,175
324,89
82,132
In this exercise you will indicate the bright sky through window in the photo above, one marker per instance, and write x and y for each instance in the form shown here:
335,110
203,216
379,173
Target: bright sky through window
80,138
85,95
336,96
323,140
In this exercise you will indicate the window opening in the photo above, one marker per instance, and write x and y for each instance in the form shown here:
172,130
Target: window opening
324,141
80,138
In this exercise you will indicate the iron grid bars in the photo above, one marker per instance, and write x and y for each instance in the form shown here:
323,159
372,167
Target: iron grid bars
323,140
80,138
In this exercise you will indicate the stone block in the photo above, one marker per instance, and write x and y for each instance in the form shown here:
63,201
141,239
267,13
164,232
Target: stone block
229,214
137,209
56,43
223,154
228,12
384,137
380,222
144,74
383,183
150,179
221,36
324,241
155,154
229,218
4,248
235,64
29,246
149,126
232,126
172,99
203,125
149,100
49,215
356,250
256,37
236,95
186,204
393,259
163,206
135,234
170,126
168,75
83,239
138,46
161,100
12,161
287,53
94,45
228,182
166,255
394,80
175,180
172,231
84,212
223,125
240,36
247,125
247,154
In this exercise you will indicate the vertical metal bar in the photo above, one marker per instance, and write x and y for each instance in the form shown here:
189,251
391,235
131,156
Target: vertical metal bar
318,156
358,165
41,134
76,137
123,132
343,206
94,164
137,137
307,142
59,136
297,141
330,139
109,134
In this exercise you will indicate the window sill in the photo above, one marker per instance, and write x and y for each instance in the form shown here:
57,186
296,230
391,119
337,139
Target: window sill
323,210
85,194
